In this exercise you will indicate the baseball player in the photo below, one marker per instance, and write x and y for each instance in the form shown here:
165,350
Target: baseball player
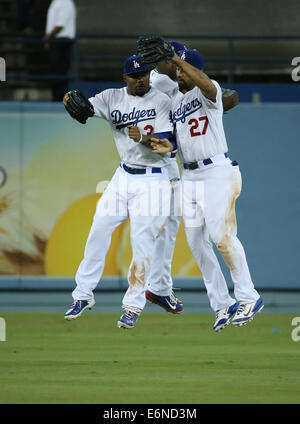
160,283
209,206
134,113
163,77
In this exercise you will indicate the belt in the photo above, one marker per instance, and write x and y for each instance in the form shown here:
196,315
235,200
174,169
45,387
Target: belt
139,171
195,165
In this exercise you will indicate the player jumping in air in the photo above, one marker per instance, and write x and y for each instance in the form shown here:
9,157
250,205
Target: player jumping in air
197,113
134,113
160,283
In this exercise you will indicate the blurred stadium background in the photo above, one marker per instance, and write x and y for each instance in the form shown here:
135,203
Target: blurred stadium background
50,165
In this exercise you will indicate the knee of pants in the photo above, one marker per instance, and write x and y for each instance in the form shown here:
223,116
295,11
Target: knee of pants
195,242
138,270
227,248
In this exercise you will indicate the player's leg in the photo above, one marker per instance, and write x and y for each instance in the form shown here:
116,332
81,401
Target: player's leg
91,267
222,191
217,291
142,234
145,225
201,246
90,270
160,281
213,278
194,206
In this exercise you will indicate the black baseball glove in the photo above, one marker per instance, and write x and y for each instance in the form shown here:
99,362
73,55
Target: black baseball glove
153,49
78,106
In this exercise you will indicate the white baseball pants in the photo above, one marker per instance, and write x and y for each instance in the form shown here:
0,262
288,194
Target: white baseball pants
145,200
160,280
209,195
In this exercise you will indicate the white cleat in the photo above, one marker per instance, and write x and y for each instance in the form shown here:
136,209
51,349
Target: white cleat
223,317
246,312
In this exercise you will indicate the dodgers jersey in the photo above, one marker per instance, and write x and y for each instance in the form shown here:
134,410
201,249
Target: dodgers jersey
166,85
151,113
198,125
163,83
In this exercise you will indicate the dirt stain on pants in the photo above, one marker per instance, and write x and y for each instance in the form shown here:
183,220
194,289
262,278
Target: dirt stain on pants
137,274
226,245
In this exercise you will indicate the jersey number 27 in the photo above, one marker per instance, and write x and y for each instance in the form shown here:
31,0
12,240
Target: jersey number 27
195,126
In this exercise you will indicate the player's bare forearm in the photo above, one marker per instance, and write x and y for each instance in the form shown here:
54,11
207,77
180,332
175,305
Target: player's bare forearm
135,134
198,77
230,99
146,140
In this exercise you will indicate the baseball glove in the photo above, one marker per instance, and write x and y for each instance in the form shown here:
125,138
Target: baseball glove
153,49
78,106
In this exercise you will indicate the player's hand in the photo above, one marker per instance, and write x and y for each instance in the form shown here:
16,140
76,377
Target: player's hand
160,145
134,133
153,49
78,106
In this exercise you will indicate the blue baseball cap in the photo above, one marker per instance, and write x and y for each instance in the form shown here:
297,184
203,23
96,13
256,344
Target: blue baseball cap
193,57
177,46
134,64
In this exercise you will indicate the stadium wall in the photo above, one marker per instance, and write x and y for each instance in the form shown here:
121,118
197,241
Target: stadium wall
248,92
50,166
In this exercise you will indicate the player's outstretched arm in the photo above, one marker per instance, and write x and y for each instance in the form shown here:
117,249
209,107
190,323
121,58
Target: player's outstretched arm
78,106
161,145
153,49
230,99
199,78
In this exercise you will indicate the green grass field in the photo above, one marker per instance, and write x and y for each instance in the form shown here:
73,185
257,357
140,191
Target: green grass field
166,359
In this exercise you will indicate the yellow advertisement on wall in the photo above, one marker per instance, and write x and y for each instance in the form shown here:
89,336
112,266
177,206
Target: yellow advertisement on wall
50,166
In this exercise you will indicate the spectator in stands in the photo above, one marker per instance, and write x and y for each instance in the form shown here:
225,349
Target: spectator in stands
24,15
59,39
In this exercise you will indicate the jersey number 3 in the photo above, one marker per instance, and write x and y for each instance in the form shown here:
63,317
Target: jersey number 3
149,129
195,124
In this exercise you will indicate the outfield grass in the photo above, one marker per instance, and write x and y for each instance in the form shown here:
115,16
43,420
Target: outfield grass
165,359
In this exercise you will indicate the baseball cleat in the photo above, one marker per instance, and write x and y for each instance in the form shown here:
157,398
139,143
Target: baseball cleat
247,311
223,316
168,303
178,300
127,319
77,307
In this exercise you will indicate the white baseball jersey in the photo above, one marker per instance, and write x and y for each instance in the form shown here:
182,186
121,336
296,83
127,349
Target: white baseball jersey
198,125
163,83
166,85
151,113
